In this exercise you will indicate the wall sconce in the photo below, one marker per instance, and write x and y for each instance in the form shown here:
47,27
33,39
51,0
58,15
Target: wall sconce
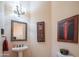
2,31
19,11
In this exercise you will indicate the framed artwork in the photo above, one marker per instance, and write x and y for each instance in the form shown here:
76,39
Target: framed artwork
41,31
68,30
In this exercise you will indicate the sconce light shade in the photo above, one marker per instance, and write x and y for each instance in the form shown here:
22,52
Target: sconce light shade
2,31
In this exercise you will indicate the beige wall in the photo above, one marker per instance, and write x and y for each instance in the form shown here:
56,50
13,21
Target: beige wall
39,11
1,24
0,29
62,10
42,11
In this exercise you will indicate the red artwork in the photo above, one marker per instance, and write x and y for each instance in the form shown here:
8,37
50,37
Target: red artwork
68,30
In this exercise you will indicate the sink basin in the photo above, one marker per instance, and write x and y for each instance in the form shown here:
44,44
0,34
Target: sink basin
19,48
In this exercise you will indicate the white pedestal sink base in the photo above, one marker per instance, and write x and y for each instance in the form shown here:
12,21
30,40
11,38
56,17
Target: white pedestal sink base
19,50
20,54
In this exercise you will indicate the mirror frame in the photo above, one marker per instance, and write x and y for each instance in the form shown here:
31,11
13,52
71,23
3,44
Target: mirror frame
12,21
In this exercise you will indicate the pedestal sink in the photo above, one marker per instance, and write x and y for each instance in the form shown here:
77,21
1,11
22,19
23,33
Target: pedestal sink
19,50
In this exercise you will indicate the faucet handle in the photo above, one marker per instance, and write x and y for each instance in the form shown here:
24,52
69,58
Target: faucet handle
17,46
22,45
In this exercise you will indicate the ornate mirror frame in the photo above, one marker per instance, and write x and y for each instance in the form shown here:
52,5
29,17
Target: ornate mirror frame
14,38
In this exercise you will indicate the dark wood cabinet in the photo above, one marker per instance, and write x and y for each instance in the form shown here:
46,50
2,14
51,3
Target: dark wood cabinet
41,31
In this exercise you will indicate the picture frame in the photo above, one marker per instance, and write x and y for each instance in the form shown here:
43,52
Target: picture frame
68,30
41,31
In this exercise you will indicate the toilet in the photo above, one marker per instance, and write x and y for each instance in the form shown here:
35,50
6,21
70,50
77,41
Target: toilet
61,55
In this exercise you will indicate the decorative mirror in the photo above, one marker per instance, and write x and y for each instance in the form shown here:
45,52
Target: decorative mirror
18,31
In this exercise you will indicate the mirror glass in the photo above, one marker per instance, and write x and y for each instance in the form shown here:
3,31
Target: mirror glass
18,31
